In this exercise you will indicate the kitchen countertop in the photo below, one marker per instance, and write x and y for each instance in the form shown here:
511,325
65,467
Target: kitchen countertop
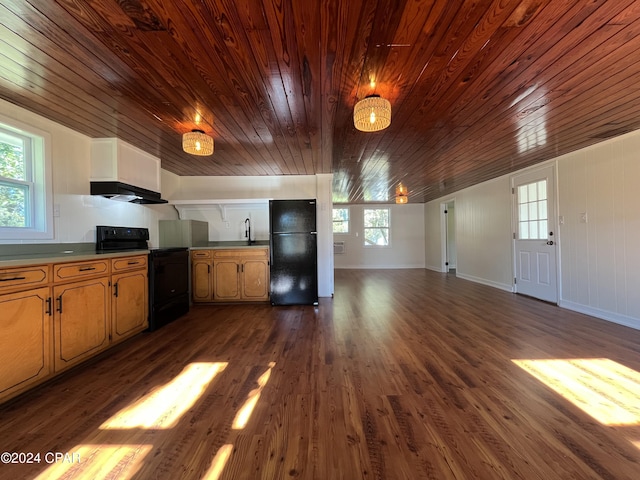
24,260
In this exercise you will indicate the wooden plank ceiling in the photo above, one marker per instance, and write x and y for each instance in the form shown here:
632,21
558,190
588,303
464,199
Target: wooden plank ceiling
478,88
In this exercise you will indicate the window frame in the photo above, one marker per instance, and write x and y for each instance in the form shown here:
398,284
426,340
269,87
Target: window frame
348,221
37,152
365,228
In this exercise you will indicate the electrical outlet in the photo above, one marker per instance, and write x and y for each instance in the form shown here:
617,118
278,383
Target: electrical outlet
227,225
56,210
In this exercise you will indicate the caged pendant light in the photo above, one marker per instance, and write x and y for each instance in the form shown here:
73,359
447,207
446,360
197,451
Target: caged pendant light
372,114
196,142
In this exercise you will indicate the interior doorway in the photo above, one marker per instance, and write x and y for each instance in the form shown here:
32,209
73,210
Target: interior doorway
448,223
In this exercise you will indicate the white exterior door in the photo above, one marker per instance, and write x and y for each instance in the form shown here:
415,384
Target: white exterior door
535,233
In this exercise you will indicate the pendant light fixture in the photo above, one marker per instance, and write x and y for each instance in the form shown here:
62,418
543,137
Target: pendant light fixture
402,194
196,142
372,113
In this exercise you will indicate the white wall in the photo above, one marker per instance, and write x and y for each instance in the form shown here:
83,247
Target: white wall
482,224
599,261
407,244
281,187
80,212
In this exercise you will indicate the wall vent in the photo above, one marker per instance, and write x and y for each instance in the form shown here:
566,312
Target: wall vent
338,248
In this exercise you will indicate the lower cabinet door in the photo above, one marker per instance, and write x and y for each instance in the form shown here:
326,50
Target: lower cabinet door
201,280
226,280
255,280
129,304
25,340
81,321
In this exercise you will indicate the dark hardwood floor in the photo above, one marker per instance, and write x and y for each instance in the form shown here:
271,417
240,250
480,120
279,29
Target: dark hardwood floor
405,374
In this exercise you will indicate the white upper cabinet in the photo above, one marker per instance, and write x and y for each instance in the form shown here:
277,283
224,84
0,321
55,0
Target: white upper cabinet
115,160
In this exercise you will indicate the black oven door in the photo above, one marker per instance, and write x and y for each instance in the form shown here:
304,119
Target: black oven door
168,285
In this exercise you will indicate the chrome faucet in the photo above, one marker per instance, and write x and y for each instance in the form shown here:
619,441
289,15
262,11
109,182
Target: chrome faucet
247,230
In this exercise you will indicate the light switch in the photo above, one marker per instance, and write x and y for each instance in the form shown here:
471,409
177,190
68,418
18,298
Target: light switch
583,217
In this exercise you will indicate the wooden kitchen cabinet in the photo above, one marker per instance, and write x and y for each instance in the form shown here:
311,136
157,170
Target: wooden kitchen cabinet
202,275
226,278
230,275
53,316
25,339
80,321
130,297
255,277
241,274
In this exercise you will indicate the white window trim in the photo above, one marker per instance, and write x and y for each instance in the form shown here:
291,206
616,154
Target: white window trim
364,228
42,208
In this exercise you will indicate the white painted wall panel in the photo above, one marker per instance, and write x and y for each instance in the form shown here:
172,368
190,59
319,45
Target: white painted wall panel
262,187
600,258
483,233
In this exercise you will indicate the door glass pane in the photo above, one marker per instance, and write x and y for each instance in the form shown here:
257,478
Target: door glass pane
522,194
542,209
542,189
533,211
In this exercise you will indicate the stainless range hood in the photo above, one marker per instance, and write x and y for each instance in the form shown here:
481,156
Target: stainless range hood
125,193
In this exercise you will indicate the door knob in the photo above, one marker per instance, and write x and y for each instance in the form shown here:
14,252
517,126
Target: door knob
550,242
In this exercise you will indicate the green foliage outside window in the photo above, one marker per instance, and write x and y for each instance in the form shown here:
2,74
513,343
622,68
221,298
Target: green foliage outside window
376,226
340,220
14,193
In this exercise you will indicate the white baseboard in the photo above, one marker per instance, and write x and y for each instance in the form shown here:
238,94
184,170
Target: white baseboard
484,281
376,267
434,268
601,314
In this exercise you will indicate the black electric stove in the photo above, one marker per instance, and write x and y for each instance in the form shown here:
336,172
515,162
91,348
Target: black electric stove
168,271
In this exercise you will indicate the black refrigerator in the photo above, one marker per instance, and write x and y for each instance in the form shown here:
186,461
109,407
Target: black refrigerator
294,252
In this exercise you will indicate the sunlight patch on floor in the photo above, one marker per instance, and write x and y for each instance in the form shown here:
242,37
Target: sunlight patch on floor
163,407
242,417
606,390
99,461
218,463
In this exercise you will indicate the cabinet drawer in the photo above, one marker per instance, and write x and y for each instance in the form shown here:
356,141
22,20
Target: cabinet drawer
200,253
67,271
14,278
242,253
128,263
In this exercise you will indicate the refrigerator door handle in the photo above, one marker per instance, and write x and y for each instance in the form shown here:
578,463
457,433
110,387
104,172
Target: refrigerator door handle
313,233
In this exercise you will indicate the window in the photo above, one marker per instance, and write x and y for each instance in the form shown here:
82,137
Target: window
25,206
532,211
376,226
340,220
